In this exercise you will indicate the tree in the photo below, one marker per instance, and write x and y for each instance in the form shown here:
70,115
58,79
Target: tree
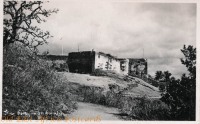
159,75
163,78
167,76
19,17
190,60
181,94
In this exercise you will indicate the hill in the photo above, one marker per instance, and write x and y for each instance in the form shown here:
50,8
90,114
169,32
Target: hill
128,85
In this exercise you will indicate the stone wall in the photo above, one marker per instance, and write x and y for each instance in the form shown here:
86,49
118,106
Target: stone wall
138,67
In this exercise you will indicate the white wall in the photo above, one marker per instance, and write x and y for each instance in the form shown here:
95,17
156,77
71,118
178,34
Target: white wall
100,63
116,65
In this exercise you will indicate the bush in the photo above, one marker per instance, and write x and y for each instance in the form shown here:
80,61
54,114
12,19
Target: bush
92,94
30,85
137,108
145,109
109,73
99,72
180,94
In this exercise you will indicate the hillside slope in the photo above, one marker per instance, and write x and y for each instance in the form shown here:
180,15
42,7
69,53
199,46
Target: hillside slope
140,89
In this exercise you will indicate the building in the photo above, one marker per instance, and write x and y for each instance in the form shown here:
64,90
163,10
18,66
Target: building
124,66
88,61
137,67
106,62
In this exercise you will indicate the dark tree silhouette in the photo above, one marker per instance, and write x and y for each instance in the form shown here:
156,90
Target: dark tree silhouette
163,78
19,17
190,60
159,75
181,94
167,76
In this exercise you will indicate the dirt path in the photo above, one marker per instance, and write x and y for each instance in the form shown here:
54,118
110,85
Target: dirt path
89,110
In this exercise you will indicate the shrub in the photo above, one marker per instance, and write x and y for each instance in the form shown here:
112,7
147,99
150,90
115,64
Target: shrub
99,72
30,85
180,94
137,108
92,94
108,73
145,109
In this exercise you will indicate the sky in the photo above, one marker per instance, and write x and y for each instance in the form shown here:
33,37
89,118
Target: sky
125,30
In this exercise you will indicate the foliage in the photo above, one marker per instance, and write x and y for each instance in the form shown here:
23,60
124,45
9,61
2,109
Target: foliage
159,75
167,76
152,81
19,17
98,95
181,94
142,108
30,85
177,102
190,60
162,86
131,108
108,73
99,72
164,76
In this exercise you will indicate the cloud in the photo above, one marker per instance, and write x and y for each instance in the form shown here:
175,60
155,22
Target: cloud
124,29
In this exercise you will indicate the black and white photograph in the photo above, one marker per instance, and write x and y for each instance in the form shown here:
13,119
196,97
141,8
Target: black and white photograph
99,60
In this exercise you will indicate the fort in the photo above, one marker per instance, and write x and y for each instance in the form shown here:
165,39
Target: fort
86,62
89,61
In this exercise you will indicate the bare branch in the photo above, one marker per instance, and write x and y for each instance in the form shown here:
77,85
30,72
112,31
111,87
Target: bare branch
21,20
13,3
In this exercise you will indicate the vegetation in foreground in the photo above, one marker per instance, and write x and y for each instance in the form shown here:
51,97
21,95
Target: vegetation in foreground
31,86
131,108
180,94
